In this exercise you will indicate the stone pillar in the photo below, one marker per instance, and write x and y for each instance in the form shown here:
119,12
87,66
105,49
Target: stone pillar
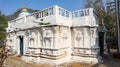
38,39
24,45
18,45
91,12
13,42
86,38
56,37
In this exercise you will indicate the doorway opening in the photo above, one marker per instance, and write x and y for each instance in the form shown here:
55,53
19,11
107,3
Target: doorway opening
101,42
21,45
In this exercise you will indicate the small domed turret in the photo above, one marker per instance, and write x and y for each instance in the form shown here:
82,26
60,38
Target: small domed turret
24,12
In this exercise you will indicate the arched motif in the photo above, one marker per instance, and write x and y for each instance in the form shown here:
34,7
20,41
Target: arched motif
32,39
33,35
64,39
79,39
93,37
79,35
31,42
48,39
27,33
48,33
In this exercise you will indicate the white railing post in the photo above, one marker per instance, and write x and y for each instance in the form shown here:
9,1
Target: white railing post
90,11
55,10
70,15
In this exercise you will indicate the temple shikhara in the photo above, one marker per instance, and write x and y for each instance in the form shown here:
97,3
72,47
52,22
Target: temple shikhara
55,35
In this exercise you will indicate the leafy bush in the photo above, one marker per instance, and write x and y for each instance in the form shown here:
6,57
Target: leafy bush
3,25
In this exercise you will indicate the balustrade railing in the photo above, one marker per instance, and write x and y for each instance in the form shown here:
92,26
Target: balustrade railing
56,10
63,12
42,13
80,13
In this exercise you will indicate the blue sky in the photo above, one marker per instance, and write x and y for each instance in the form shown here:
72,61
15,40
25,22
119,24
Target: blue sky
10,6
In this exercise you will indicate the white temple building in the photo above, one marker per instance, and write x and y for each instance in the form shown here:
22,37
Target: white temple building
55,35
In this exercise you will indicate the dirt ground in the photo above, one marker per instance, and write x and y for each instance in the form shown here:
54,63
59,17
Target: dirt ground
3,55
13,61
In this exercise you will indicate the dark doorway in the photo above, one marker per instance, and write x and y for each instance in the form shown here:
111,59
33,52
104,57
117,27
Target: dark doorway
101,42
21,45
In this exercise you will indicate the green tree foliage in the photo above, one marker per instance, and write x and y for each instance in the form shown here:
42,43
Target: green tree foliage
107,16
3,25
109,21
96,4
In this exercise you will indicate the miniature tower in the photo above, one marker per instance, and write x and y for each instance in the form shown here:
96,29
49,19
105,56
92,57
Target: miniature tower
24,12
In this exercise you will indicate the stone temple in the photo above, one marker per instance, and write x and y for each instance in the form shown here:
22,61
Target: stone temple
55,35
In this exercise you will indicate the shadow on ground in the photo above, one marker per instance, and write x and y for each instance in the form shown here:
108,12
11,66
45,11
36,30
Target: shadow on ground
109,61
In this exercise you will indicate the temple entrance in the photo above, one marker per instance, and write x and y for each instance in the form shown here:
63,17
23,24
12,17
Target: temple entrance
101,42
21,45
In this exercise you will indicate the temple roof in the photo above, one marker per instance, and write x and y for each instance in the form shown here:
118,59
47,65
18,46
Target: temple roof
24,11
